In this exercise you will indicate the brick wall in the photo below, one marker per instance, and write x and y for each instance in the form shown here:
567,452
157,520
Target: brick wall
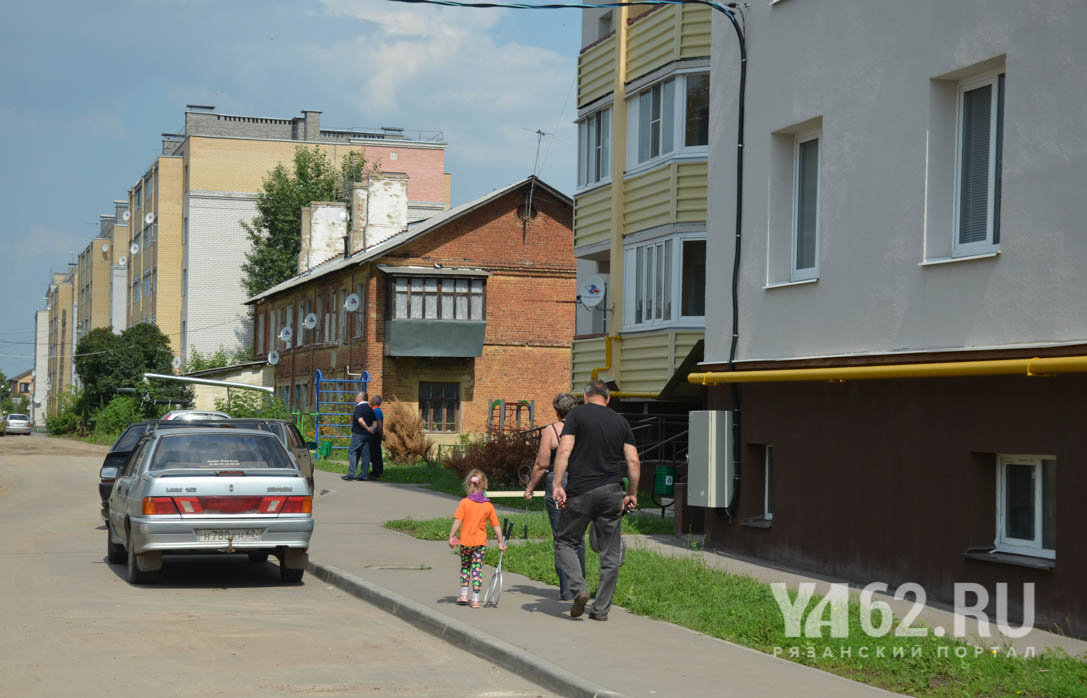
529,311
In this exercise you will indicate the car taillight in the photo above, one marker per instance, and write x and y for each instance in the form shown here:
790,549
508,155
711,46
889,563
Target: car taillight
189,505
158,505
298,505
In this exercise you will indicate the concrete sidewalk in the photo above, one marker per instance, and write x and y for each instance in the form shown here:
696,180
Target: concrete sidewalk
531,632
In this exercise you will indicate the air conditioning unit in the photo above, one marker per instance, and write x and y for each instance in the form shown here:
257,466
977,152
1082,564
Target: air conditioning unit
709,468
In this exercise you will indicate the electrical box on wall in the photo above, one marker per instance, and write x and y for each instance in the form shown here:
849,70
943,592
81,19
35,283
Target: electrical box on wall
710,471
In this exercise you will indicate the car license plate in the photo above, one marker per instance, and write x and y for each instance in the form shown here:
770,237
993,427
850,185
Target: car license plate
219,535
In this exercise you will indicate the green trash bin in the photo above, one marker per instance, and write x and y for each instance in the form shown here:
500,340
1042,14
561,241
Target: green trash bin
325,450
664,481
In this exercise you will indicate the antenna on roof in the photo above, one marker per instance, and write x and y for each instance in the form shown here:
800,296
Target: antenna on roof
527,214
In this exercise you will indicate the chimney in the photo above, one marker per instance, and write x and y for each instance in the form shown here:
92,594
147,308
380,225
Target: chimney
312,128
379,209
324,224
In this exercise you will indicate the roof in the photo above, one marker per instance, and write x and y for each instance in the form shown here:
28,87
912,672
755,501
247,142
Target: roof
21,376
224,369
414,231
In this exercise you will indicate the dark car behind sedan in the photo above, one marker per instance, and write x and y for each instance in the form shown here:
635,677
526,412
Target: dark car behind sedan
119,453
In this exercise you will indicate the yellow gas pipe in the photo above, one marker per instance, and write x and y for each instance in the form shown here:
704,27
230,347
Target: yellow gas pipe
607,367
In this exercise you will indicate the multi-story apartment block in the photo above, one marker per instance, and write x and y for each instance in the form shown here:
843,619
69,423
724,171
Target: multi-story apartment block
187,243
912,327
62,306
101,293
640,205
41,367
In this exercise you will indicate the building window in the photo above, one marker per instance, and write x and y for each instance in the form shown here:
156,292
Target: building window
359,317
806,209
289,323
594,148
423,298
1026,511
260,335
439,404
671,116
341,322
660,271
978,166
605,24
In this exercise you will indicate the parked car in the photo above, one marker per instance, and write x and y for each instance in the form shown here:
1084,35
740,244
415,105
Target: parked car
194,415
122,448
18,424
207,491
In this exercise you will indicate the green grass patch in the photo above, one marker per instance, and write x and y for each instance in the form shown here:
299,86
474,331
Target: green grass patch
538,526
740,609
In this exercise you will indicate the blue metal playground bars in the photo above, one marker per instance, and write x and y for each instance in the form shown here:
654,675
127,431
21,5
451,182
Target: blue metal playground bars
334,394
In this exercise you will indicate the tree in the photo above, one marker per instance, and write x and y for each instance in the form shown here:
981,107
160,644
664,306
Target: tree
107,362
4,390
202,362
276,232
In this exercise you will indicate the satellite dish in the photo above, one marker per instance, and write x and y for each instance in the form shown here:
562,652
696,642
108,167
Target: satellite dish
273,357
351,303
149,218
286,333
125,216
176,363
592,291
310,322
105,247
134,248
343,216
122,261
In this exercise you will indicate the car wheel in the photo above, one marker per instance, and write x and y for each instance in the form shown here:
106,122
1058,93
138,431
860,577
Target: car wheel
287,574
135,574
258,557
115,552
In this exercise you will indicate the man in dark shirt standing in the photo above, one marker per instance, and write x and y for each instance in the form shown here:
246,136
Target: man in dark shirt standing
363,424
595,445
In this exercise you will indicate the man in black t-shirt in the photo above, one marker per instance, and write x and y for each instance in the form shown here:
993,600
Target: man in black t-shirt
363,425
597,445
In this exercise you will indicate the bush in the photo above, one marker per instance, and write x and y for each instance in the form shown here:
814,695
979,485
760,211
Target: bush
115,417
506,458
252,404
404,436
68,419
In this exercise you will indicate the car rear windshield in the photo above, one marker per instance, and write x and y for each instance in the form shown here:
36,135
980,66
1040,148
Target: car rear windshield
20,417
219,451
130,438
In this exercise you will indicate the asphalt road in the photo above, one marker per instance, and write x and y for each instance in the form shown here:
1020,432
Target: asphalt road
72,626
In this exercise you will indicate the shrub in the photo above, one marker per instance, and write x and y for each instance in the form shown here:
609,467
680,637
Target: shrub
252,404
404,436
68,419
115,417
506,458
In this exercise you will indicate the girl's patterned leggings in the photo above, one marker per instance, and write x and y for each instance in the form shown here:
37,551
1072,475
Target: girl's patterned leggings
471,564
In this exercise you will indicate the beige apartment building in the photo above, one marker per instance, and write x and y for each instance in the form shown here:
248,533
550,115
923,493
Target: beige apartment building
186,242
61,305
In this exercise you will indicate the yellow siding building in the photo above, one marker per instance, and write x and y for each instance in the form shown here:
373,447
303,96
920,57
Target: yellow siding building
640,206
60,306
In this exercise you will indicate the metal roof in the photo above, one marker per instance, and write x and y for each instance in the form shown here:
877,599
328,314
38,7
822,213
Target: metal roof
414,231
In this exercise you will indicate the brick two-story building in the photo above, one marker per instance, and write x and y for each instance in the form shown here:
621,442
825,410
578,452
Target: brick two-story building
466,307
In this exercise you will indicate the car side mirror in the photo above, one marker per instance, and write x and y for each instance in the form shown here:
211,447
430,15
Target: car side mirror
108,472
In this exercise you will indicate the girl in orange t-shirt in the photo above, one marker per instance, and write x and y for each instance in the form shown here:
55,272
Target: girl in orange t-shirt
473,514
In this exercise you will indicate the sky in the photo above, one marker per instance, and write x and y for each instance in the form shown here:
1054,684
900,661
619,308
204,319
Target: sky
87,89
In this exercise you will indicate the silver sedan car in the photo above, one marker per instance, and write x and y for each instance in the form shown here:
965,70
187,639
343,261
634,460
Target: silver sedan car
193,491
17,424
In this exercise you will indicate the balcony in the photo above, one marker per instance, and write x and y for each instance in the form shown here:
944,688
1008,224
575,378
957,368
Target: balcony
433,338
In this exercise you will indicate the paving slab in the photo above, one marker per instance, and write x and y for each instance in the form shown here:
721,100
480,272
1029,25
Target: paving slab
628,655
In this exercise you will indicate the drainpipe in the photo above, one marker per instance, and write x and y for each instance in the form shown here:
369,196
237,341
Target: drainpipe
949,369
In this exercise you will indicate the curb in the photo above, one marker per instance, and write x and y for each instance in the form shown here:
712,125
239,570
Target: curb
464,636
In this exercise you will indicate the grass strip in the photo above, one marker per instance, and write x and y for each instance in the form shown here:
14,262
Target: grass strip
433,476
685,591
538,526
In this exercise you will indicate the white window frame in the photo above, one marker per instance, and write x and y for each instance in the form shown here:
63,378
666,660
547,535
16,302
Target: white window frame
675,284
812,272
1019,546
986,246
678,123
588,147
